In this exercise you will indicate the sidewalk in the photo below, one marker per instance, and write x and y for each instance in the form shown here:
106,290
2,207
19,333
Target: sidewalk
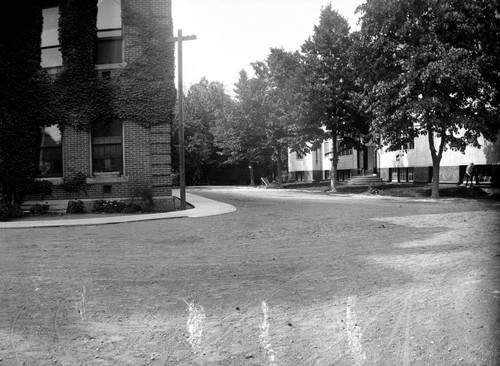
202,207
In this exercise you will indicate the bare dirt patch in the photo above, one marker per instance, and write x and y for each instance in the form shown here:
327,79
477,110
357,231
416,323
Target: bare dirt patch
290,278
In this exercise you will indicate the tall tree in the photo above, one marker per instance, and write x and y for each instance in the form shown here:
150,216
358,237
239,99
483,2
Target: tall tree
207,107
269,115
333,93
435,72
281,79
243,138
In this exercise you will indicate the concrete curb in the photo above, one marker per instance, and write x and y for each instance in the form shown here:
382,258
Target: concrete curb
202,207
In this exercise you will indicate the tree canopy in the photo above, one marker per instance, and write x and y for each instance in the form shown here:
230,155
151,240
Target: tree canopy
269,113
433,71
208,108
333,93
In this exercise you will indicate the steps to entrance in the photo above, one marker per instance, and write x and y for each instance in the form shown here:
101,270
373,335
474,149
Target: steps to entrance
364,180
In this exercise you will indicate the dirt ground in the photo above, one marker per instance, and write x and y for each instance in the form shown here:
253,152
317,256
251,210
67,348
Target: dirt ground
290,278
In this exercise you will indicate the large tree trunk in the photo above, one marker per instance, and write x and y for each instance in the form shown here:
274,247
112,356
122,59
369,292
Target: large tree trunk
279,165
436,160
334,160
252,180
435,178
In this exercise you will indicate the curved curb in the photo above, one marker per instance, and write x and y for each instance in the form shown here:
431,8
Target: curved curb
202,207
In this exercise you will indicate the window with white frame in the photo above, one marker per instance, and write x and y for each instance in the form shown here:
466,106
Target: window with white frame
394,174
345,152
411,174
107,147
342,150
408,146
403,176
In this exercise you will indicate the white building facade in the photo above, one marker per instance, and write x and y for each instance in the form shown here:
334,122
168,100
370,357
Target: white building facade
316,165
411,164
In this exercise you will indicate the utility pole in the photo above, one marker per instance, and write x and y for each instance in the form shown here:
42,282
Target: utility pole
182,163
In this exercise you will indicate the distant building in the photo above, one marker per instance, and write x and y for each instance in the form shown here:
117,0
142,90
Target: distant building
316,166
411,164
123,155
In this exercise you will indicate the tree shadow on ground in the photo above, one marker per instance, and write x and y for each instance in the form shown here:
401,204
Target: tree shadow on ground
397,190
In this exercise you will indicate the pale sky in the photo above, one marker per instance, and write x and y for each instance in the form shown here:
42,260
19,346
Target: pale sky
233,33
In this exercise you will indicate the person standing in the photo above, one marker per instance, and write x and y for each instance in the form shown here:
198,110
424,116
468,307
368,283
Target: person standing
470,172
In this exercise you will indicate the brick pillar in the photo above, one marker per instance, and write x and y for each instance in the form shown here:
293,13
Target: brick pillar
137,140
76,152
161,160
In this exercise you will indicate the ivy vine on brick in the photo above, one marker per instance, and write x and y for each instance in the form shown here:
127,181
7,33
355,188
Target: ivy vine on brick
145,89
83,99
143,92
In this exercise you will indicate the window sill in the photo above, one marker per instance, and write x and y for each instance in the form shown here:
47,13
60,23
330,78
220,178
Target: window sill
53,70
107,178
54,180
110,66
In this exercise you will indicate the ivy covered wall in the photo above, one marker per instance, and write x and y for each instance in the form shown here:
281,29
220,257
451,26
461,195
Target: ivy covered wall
82,98
25,98
142,92
145,90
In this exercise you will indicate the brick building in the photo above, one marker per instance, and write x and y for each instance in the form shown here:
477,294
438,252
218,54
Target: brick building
122,155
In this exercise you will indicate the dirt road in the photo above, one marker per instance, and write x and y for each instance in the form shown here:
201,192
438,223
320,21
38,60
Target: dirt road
290,278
